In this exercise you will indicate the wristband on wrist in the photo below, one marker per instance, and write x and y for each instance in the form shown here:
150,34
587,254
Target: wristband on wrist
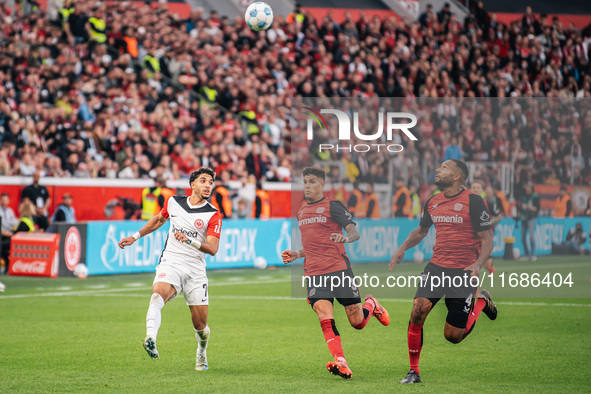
137,235
196,244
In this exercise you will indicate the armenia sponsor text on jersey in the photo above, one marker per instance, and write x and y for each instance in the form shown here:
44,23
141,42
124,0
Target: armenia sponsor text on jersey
317,221
457,221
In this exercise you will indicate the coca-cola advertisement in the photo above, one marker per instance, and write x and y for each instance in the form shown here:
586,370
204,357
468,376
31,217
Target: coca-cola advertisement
34,254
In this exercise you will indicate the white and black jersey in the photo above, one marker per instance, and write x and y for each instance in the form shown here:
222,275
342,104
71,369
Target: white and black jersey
196,222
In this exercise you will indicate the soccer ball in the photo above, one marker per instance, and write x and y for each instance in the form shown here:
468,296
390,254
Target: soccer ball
259,16
418,257
260,263
516,253
81,271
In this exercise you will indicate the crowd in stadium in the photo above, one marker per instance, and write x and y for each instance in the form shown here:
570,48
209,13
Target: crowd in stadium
92,90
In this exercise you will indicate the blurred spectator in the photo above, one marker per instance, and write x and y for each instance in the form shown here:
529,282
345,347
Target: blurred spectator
373,202
529,207
261,207
575,239
65,211
38,196
222,196
153,198
401,201
242,211
563,207
8,220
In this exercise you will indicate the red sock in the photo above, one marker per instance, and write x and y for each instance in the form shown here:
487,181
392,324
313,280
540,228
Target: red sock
415,344
477,307
368,308
333,339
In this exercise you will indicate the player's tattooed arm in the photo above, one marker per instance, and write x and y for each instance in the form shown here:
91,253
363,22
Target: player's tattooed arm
153,224
352,235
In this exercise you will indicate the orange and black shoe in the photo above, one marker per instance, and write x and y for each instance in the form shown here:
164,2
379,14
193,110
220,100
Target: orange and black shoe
339,368
379,311
490,309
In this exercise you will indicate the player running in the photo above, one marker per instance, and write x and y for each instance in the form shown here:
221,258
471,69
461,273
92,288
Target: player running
462,222
195,227
321,222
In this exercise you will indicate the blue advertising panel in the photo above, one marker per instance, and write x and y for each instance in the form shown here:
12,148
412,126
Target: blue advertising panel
241,242
380,238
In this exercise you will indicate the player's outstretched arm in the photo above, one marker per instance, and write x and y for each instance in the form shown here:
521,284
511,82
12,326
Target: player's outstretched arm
352,235
413,239
153,224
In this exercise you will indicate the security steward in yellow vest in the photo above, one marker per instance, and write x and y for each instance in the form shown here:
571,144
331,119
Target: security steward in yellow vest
151,63
98,28
416,202
64,12
261,206
250,117
401,202
153,198
563,207
208,94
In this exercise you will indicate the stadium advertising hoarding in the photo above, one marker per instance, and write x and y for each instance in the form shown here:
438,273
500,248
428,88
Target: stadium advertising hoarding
241,243
380,238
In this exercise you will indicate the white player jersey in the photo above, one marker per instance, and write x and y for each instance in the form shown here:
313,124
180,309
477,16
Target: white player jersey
196,222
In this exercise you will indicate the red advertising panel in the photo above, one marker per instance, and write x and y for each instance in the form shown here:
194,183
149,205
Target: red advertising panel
34,254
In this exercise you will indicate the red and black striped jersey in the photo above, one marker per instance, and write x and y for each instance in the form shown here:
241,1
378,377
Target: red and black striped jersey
317,221
457,221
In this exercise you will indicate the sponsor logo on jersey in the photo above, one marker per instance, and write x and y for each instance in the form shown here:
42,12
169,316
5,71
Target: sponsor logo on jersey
434,206
447,219
312,220
162,274
183,231
199,223
458,207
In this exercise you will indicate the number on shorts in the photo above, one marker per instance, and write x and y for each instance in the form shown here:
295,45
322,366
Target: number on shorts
205,287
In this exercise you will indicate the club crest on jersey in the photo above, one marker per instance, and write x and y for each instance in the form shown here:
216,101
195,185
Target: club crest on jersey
199,223
320,210
458,207
162,274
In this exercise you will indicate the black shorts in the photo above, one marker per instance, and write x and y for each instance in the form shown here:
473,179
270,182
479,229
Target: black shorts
437,282
337,284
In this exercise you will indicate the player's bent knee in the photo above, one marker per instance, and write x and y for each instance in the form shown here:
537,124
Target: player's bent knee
420,310
454,338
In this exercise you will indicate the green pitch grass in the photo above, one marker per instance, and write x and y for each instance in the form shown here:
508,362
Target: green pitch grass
80,336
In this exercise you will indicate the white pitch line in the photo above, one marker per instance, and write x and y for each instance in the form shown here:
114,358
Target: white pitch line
112,293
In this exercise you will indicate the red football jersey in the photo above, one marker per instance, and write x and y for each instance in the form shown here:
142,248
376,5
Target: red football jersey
457,221
317,221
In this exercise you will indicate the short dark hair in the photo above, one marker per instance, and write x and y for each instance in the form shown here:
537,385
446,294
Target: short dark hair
202,170
462,167
317,172
4,194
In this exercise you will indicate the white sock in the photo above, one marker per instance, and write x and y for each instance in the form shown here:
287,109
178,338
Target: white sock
154,316
203,339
